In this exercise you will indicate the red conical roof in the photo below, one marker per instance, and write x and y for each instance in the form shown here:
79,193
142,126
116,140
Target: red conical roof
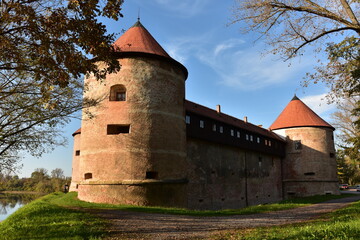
297,114
138,39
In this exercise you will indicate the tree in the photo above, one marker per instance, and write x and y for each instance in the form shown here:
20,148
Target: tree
291,25
348,132
57,173
46,47
348,170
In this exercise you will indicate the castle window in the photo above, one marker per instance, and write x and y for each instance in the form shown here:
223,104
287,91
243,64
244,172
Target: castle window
113,129
117,93
251,138
232,132
238,134
269,143
202,124
260,161
187,119
266,142
332,155
151,175
297,145
309,174
77,153
221,129
214,127
247,137
88,176
258,140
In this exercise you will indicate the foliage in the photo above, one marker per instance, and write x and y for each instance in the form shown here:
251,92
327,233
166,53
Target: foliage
39,181
42,219
46,46
341,224
348,169
348,155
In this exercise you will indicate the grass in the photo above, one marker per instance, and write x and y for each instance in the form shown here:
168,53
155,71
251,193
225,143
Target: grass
70,200
42,219
338,225
55,217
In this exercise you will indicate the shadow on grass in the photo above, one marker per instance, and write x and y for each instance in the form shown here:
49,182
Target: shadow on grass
71,200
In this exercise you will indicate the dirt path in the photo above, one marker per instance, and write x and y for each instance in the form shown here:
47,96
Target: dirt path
135,225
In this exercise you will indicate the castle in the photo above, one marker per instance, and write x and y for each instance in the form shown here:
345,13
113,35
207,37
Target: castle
147,145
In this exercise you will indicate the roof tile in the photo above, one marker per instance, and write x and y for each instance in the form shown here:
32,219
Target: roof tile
138,39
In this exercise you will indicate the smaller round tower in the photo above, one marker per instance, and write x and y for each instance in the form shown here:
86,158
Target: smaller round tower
309,167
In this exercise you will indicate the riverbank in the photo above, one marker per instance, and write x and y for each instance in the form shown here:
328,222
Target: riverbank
21,192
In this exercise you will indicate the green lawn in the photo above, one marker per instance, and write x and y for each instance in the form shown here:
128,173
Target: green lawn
59,216
70,200
339,225
42,219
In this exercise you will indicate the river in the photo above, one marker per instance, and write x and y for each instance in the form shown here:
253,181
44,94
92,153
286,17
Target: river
10,202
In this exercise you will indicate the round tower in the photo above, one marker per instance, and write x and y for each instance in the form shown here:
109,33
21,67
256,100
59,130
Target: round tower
75,175
133,150
309,167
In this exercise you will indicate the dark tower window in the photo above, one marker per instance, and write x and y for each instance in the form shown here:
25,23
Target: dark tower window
297,145
151,175
113,129
88,176
77,153
117,93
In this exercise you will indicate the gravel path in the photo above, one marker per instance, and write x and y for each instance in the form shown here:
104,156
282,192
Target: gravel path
136,225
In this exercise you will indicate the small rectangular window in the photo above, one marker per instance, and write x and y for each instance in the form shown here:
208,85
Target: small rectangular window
297,145
266,142
151,175
187,119
238,134
258,140
251,138
113,129
88,176
221,129
202,124
269,143
232,132
247,137
77,153
214,127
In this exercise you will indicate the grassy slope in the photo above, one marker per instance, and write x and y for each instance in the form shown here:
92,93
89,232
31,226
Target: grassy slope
70,200
54,217
42,219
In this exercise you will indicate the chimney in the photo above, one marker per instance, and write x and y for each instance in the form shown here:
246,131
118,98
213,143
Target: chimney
245,119
218,108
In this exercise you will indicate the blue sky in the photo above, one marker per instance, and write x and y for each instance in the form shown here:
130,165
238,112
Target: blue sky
225,67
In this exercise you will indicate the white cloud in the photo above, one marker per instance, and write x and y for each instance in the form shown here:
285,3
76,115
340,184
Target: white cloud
245,68
236,64
318,103
183,8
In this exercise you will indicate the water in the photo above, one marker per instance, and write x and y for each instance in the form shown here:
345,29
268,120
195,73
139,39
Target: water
9,203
